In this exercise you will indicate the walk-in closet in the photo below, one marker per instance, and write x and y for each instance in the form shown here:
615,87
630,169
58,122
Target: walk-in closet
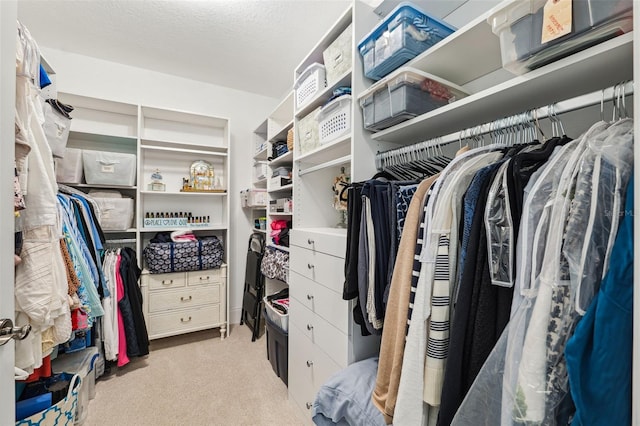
345,212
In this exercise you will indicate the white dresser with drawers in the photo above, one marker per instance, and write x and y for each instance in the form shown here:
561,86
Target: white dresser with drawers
323,338
182,302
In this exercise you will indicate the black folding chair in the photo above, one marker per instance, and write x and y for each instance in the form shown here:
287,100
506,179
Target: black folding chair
253,286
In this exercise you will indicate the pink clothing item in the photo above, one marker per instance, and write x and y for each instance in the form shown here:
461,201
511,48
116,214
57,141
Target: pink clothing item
123,359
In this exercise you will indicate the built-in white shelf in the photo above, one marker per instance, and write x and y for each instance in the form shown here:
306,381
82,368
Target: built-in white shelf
327,152
261,155
588,70
281,134
119,231
284,158
97,186
261,183
280,214
194,228
264,231
346,160
215,151
283,248
282,188
322,97
188,194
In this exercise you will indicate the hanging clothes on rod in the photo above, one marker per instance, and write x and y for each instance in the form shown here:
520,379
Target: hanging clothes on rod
377,211
483,210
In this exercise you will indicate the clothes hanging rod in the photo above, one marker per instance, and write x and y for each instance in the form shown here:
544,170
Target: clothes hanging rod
336,162
568,105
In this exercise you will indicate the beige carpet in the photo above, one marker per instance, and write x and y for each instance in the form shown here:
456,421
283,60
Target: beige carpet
196,379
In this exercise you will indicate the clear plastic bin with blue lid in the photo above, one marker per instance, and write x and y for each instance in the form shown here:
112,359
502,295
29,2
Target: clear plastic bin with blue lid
404,94
527,41
405,33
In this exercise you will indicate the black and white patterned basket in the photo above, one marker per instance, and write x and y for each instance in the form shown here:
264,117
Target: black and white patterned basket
205,253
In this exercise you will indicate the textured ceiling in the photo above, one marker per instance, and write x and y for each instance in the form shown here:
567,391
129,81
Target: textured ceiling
242,44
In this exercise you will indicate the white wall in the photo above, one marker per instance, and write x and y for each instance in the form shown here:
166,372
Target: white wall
93,77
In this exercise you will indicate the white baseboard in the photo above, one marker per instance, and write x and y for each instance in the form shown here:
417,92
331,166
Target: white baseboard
234,315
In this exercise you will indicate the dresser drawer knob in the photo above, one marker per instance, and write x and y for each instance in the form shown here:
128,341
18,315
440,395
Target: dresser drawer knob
167,282
309,266
310,241
309,363
185,320
185,299
204,278
309,405
309,327
309,296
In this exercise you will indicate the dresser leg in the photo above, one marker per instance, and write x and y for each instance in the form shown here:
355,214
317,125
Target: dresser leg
223,332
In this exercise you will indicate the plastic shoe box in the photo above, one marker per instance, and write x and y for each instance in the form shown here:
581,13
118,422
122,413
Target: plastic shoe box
337,57
404,94
277,349
69,168
311,82
520,26
81,363
404,33
334,119
109,168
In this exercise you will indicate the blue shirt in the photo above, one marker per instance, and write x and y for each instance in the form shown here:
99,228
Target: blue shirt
599,354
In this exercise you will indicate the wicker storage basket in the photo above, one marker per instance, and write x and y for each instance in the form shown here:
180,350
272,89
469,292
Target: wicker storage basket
290,139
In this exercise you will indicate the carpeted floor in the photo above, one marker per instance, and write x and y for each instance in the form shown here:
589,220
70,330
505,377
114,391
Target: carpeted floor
196,379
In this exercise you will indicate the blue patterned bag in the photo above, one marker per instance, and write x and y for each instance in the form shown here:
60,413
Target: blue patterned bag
205,253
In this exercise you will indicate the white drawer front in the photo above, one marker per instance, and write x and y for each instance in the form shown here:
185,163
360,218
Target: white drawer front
184,321
309,364
158,281
332,242
324,302
206,277
321,333
301,388
160,301
319,267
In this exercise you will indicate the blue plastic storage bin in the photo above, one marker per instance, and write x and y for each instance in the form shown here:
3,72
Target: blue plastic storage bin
405,33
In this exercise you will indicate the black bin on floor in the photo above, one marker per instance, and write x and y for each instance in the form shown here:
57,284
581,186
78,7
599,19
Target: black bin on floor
278,349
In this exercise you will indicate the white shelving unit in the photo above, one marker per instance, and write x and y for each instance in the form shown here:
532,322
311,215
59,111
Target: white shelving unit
322,336
168,141
280,121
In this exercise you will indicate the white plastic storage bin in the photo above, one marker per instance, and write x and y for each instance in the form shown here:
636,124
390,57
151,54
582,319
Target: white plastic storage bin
307,132
311,82
80,363
527,42
337,57
260,170
116,213
281,320
334,119
404,33
69,168
404,94
109,168
254,198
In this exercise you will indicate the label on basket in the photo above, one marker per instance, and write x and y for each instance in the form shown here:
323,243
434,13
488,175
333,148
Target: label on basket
557,19
108,169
